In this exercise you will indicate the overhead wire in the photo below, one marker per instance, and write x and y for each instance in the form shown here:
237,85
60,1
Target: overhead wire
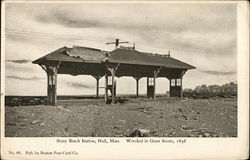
68,37
46,33
52,36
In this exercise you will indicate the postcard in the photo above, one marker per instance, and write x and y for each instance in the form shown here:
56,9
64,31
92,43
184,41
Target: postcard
125,80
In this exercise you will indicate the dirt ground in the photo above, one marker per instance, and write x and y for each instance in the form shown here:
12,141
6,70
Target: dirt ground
134,118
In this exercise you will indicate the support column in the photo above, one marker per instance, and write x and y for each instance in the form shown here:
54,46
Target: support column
147,87
170,87
97,77
154,88
113,86
97,88
54,86
51,72
181,89
106,88
182,74
137,85
137,88
48,87
112,68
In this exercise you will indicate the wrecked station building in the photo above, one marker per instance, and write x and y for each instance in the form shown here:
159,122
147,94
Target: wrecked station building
123,61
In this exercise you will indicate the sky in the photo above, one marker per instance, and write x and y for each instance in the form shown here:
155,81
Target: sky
201,34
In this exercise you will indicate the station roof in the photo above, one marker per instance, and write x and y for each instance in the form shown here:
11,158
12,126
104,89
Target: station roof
74,54
92,60
119,55
131,56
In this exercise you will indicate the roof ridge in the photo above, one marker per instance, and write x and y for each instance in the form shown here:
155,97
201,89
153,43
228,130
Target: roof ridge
75,46
156,54
146,53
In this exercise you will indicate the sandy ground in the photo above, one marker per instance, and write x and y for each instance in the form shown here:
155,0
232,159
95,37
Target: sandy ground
135,117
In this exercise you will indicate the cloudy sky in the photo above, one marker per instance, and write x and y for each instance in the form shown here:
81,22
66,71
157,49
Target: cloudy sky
203,35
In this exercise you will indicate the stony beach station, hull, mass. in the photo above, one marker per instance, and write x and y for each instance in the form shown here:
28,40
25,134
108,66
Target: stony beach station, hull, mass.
123,61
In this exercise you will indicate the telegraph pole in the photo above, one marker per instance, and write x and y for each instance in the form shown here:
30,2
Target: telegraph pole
117,42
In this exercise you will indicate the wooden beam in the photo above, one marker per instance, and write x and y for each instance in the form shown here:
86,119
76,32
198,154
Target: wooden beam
182,74
54,84
113,86
47,69
147,87
181,89
112,67
106,88
97,77
170,87
154,88
55,70
51,82
137,78
156,72
137,88
49,88
97,88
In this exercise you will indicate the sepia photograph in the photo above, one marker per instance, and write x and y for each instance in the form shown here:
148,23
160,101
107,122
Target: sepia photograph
120,69
115,70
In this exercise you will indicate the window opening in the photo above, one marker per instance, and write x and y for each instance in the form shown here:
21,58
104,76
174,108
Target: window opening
172,82
151,81
178,83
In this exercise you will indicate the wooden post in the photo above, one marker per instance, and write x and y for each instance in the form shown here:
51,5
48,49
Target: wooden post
47,69
51,72
112,68
182,74
51,82
113,86
97,77
147,87
51,89
137,87
154,87
48,88
170,87
54,83
106,88
181,89
97,87
137,78
55,70
55,98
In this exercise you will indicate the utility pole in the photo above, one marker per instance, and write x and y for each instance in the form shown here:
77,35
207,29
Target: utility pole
117,42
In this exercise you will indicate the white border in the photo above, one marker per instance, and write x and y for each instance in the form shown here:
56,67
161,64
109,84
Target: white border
195,148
